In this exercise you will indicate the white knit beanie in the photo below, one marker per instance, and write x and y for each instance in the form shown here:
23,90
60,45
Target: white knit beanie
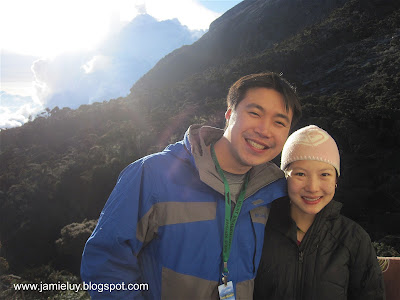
310,143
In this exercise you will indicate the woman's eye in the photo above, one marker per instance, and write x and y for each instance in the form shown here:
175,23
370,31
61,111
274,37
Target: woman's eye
299,174
325,174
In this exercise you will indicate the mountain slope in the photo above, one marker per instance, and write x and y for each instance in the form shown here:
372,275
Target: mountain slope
248,28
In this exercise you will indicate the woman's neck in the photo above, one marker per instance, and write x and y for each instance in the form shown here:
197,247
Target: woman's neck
302,220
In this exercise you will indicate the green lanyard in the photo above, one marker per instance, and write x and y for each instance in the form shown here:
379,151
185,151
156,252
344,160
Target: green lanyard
230,221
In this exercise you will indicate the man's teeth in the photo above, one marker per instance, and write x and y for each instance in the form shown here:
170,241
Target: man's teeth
256,145
311,199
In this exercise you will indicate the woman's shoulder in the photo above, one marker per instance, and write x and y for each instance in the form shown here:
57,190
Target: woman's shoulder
347,231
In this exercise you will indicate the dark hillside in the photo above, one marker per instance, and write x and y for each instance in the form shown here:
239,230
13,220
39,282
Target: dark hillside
250,27
343,57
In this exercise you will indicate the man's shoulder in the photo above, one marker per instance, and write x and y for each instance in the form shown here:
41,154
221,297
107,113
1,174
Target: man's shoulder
267,170
163,159
265,176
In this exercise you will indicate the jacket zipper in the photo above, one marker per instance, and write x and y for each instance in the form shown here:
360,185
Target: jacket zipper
305,247
300,275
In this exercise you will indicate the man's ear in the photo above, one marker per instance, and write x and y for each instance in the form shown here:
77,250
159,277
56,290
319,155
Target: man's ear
228,114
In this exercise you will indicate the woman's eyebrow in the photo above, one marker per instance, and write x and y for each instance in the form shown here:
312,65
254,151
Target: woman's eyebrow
326,169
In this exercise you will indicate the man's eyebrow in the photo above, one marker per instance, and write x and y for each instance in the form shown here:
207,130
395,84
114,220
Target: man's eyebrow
259,107
283,117
254,105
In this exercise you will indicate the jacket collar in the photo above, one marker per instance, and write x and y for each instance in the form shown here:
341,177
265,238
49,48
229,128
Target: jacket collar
281,221
198,140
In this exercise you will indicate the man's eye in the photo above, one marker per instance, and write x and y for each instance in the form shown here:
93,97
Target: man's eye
325,174
254,113
280,123
299,174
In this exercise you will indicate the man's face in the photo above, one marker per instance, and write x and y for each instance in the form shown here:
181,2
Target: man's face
257,129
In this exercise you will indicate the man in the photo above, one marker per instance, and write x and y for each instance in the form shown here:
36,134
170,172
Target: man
189,221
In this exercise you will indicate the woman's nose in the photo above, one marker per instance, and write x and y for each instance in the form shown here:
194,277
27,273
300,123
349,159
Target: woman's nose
312,184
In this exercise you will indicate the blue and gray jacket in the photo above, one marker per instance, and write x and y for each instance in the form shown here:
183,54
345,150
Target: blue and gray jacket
163,225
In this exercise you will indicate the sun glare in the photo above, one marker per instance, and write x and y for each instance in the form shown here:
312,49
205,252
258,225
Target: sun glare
44,27
52,27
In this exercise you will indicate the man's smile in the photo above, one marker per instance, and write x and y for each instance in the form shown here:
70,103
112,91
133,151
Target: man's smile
257,145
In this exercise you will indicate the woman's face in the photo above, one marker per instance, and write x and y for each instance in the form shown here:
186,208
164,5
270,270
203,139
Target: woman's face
311,185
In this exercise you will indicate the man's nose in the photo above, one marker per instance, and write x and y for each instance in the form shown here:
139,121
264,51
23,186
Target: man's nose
263,128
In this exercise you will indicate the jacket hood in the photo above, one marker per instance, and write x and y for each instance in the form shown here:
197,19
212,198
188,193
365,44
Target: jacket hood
197,141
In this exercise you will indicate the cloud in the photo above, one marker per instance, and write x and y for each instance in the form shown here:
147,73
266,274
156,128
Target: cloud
189,12
110,71
48,27
15,110
97,63
107,71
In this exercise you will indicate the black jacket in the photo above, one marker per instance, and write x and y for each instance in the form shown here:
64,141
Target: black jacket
335,259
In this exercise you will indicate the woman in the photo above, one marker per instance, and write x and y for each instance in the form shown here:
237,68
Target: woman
310,250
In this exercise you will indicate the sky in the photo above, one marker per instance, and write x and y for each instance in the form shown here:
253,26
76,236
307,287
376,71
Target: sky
55,50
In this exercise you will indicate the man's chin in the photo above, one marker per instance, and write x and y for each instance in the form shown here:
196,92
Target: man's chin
256,161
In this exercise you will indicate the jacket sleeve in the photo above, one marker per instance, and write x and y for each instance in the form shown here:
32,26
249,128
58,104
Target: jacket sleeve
109,260
366,279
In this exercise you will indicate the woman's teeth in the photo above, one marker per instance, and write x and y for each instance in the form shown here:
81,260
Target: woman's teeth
311,199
